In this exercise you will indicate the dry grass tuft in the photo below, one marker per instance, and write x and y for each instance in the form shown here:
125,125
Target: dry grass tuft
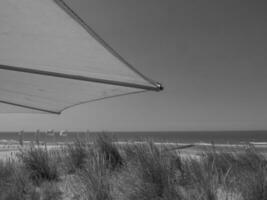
40,165
76,155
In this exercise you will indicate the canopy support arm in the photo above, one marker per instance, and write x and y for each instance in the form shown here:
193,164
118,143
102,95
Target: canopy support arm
158,86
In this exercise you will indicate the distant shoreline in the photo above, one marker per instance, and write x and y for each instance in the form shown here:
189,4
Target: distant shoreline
204,137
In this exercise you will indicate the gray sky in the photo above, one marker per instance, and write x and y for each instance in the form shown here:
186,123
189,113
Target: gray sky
209,55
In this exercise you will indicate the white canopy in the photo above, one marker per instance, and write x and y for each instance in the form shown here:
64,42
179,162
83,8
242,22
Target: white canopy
51,60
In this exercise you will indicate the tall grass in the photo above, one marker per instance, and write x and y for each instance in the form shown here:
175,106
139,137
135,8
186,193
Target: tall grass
243,171
32,177
104,170
101,159
40,165
50,191
95,178
93,162
14,183
145,171
109,151
76,155
149,174
201,181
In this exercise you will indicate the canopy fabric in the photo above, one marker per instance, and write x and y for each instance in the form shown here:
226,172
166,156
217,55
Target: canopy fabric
51,60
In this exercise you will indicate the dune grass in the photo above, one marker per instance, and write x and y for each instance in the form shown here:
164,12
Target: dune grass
39,164
75,155
95,178
104,170
14,183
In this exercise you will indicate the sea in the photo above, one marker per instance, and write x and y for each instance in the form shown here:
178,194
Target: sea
216,137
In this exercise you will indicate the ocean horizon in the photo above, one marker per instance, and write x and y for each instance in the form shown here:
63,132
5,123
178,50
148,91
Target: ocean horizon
217,137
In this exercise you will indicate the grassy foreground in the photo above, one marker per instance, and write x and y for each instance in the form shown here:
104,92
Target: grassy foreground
103,170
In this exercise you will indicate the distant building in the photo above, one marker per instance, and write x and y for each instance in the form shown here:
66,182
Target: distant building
63,133
50,132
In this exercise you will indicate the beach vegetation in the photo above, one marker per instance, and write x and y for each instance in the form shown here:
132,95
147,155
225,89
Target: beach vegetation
104,169
40,164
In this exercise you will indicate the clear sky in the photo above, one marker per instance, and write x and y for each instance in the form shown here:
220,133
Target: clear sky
211,57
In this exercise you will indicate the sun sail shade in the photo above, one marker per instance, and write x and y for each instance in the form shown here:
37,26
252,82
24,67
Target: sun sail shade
50,60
